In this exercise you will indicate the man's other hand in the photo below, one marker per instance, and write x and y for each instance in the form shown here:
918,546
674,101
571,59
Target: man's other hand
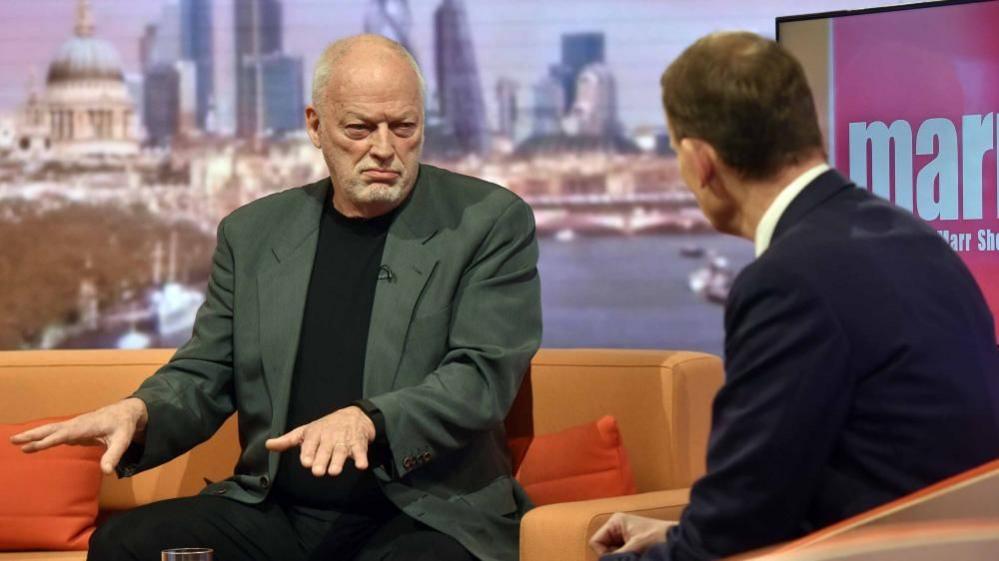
627,533
114,427
326,443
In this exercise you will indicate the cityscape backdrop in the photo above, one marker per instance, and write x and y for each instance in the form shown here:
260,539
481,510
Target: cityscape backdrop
129,129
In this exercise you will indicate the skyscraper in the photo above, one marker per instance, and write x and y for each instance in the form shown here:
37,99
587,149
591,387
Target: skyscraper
549,100
187,96
177,53
506,107
578,51
196,46
161,103
159,49
458,88
258,33
281,76
391,19
146,43
595,110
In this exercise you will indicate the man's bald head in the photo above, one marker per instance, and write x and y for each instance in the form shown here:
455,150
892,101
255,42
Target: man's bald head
345,57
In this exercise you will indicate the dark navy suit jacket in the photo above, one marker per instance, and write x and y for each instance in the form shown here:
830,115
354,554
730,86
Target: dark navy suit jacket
861,365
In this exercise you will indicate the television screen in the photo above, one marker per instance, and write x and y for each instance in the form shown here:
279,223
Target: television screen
908,98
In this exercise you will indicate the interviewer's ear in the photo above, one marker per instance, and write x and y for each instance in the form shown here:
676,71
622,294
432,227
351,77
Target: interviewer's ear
703,159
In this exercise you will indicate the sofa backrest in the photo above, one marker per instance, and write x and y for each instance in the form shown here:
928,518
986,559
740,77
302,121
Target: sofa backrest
39,384
661,400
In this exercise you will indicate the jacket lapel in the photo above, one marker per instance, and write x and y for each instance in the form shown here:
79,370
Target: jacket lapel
412,260
283,284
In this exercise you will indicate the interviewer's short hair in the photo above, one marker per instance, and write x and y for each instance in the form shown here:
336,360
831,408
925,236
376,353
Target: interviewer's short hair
747,97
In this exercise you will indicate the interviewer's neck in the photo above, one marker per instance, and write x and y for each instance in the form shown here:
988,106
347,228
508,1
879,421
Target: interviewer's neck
755,197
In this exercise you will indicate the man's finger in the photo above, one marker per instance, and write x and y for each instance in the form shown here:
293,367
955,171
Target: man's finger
322,460
54,439
608,537
359,451
285,441
634,545
310,442
601,540
117,445
340,453
36,433
598,547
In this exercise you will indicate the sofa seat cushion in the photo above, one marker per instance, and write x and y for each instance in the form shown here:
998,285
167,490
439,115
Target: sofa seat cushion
44,556
49,498
579,463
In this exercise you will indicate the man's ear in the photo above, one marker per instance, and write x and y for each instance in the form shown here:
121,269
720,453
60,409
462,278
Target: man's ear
312,125
703,160
715,175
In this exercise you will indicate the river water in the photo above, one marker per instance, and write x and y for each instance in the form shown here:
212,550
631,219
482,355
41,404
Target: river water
632,291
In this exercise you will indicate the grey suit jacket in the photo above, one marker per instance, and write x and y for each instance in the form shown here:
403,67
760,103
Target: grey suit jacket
452,333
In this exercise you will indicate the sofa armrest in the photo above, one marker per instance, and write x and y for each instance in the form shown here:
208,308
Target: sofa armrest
561,531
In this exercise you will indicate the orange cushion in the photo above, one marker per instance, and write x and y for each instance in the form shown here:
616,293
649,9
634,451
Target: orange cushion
579,463
48,500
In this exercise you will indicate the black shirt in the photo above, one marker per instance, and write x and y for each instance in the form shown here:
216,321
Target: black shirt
329,369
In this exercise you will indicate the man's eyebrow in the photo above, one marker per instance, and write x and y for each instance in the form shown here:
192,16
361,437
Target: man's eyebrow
354,115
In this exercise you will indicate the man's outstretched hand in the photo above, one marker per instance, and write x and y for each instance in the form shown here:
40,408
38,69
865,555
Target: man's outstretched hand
114,427
326,443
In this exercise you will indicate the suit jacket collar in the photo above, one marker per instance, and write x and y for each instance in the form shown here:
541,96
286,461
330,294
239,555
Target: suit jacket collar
821,189
302,224
418,215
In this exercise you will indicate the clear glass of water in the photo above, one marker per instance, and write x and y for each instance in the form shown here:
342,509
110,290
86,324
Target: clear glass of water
187,554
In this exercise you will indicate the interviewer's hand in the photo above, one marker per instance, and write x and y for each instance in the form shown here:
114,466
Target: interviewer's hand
114,426
326,443
624,533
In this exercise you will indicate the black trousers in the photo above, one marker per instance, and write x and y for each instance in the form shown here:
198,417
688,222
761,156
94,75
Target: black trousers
269,531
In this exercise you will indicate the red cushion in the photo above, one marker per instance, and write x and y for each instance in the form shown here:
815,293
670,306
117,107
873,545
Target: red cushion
48,500
579,463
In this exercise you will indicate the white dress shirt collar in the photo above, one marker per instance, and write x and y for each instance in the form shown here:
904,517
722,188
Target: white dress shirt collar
768,223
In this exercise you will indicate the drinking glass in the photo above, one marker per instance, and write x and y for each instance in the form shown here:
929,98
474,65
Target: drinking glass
187,554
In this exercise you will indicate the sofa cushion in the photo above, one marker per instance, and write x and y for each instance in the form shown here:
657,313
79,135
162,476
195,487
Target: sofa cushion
578,463
49,498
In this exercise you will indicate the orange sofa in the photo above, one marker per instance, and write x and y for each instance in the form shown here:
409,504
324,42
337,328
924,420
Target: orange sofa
661,400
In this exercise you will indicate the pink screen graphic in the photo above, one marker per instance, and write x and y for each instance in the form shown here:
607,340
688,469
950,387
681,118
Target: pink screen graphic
916,100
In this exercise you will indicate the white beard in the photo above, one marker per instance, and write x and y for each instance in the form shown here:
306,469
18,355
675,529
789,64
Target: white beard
367,194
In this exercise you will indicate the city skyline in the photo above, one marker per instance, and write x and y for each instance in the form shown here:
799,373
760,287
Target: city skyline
514,40
598,175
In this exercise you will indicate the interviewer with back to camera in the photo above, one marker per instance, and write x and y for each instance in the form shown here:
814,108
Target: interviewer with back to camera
861,361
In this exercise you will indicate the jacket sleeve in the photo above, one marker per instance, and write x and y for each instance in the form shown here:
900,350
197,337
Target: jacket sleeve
190,397
775,421
495,331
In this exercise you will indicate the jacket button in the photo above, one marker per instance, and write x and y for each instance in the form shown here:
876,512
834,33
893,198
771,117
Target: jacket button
220,491
264,481
408,463
426,457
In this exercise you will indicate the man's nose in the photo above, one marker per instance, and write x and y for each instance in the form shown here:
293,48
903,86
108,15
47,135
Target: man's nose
381,143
